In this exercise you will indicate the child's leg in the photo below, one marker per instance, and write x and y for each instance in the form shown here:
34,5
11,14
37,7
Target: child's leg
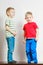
28,50
33,50
10,42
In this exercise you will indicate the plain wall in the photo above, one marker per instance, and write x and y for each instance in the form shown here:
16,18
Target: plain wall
21,6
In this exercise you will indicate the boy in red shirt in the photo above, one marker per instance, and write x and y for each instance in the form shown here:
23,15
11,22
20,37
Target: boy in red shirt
31,37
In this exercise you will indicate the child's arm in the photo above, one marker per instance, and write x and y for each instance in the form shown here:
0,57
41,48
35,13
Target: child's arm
24,37
8,29
37,33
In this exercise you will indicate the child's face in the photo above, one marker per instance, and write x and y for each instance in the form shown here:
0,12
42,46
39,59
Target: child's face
29,18
11,13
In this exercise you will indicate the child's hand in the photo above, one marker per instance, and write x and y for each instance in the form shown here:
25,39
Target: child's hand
14,33
24,41
36,39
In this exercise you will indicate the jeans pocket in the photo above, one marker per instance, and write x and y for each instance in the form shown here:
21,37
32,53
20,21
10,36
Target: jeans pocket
35,40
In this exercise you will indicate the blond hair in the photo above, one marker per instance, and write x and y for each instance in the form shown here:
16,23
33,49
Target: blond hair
8,9
30,13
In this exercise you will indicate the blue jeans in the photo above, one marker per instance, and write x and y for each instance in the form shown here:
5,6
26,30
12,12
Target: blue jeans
10,43
31,50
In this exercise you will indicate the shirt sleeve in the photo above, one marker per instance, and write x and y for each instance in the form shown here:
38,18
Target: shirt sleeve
7,22
35,26
24,27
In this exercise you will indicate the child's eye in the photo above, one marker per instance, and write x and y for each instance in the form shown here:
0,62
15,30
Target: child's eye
30,17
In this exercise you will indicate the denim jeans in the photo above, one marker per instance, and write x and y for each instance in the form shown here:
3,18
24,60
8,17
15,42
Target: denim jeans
31,50
11,44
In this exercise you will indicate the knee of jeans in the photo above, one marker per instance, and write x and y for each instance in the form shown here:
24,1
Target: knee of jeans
33,51
27,52
10,50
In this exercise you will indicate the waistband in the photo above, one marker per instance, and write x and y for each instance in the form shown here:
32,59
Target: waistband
30,38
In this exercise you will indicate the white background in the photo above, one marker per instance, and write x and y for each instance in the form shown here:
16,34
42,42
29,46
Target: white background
21,6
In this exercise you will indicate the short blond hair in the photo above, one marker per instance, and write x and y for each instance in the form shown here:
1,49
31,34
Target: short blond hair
8,9
30,13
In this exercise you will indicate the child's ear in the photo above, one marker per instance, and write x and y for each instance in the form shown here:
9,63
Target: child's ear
25,17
